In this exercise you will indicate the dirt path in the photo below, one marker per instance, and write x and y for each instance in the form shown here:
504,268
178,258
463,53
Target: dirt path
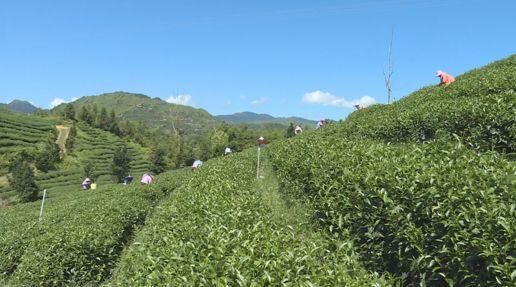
62,137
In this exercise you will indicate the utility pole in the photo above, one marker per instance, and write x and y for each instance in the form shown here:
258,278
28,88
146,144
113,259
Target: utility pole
387,75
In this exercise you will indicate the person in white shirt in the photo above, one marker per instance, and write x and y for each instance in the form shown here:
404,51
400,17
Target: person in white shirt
321,123
196,164
298,130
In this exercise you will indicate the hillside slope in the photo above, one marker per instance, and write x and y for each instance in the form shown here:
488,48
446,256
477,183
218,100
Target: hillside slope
153,111
18,106
253,118
425,186
26,133
480,108
21,133
395,201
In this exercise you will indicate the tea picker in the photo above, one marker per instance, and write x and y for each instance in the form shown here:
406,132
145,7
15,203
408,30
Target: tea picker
261,144
196,164
321,123
147,178
298,130
446,79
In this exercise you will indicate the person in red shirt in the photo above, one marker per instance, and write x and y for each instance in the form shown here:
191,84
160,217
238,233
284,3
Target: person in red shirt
261,142
445,78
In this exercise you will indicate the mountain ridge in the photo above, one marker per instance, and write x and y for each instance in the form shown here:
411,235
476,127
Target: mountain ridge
259,118
20,106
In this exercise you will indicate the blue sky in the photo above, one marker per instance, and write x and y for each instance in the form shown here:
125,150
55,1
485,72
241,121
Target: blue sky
305,58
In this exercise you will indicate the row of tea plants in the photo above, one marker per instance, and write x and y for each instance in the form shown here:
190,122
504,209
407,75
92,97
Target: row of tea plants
81,234
215,230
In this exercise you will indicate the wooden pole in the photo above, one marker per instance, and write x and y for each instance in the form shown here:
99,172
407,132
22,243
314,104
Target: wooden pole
42,204
258,165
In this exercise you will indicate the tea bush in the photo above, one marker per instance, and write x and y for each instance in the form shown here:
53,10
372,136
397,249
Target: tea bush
436,213
81,235
216,231
479,107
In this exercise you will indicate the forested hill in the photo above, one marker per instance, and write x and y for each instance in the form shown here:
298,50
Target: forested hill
19,107
254,118
155,112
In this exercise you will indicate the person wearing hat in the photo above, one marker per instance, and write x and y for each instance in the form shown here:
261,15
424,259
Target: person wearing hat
321,123
298,130
446,79
261,142
147,178
86,184
196,164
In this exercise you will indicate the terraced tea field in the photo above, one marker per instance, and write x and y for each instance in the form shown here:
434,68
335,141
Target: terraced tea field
417,193
25,133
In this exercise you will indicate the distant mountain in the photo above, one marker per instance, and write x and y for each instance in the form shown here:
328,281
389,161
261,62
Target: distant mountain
253,118
153,111
20,107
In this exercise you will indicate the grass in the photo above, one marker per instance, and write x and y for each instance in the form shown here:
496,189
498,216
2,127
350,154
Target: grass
292,211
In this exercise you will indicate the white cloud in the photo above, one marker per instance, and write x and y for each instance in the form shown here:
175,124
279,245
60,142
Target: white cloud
183,99
328,99
56,102
260,101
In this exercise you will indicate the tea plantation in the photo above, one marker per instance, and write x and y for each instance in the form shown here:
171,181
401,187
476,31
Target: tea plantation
19,132
426,186
80,237
93,145
417,193
216,230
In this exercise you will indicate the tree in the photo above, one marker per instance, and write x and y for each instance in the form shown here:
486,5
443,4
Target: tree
290,131
22,179
114,128
158,161
71,138
126,128
112,116
49,155
121,164
185,156
387,75
94,111
103,119
218,142
89,170
43,162
69,112
172,151
86,115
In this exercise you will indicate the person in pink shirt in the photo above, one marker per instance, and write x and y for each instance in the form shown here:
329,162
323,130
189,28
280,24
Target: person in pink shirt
445,78
147,178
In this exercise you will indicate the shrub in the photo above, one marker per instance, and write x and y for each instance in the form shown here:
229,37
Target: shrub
436,213
22,180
